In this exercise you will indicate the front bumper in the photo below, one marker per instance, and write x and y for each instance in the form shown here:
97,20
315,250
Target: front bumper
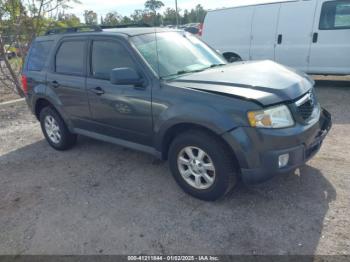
257,150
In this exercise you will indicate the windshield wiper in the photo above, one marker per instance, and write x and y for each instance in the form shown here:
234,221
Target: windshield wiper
216,65
182,72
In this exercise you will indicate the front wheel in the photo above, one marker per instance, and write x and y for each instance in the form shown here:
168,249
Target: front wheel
202,166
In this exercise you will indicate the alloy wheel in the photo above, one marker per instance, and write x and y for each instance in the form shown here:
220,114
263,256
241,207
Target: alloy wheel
52,129
196,167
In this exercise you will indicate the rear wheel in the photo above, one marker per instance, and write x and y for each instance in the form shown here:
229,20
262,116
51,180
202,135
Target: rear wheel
55,130
202,166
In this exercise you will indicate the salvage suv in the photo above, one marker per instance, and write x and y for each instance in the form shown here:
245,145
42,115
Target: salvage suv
167,93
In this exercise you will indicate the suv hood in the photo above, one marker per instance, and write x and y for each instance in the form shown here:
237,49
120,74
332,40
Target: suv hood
264,82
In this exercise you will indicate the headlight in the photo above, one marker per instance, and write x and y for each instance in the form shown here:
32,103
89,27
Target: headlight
273,117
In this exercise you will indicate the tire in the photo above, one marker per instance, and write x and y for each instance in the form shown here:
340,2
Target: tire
223,178
58,129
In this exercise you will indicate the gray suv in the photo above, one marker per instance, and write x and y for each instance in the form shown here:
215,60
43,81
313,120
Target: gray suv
167,93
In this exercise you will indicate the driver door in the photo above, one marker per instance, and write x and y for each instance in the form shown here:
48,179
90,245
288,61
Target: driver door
119,111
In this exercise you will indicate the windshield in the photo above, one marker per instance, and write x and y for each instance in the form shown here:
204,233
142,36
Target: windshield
171,54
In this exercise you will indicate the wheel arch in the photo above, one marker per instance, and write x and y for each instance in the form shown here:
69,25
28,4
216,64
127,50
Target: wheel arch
228,55
179,128
42,102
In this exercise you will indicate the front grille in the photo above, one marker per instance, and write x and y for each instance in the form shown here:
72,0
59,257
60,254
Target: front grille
306,105
306,109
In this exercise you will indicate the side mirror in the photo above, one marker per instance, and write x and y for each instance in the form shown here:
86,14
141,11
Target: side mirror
125,76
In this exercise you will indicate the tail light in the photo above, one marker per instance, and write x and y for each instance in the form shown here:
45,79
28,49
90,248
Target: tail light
24,84
200,32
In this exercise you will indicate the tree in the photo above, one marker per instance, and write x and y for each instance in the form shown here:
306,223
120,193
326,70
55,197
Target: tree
186,17
90,17
197,15
200,14
137,16
169,16
112,18
154,5
68,20
20,22
142,16
126,20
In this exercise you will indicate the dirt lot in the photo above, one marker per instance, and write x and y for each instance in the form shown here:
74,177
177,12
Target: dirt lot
99,198
7,95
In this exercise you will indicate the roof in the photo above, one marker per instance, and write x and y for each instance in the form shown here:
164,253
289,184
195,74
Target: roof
242,3
138,30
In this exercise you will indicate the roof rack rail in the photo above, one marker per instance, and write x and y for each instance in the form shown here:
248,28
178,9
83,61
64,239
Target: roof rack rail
124,26
90,28
77,29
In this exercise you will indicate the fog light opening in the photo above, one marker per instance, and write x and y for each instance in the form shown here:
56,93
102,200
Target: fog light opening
283,160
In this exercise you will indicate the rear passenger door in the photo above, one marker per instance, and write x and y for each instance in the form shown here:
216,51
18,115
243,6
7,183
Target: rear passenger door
67,78
330,48
120,111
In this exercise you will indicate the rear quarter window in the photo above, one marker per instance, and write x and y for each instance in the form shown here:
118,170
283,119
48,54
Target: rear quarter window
38,55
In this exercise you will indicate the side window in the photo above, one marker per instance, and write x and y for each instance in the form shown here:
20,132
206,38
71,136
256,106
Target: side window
38,55
70,58
107,55
335,15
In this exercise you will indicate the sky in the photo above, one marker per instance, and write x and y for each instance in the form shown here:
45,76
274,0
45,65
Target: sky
126,7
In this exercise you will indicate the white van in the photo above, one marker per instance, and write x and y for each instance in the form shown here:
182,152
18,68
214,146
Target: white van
310,35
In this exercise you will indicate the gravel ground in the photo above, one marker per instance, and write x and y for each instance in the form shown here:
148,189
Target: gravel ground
99,198
7,94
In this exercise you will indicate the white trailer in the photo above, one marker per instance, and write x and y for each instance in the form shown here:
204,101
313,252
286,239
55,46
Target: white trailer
310,35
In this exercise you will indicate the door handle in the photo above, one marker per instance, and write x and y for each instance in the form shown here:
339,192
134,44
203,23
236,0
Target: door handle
97,90
315,38
279,39
55,84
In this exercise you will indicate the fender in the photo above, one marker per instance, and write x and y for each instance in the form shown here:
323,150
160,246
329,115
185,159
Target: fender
199,115
34,95
43,92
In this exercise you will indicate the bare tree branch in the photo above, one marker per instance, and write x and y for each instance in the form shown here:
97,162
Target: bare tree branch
12,73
